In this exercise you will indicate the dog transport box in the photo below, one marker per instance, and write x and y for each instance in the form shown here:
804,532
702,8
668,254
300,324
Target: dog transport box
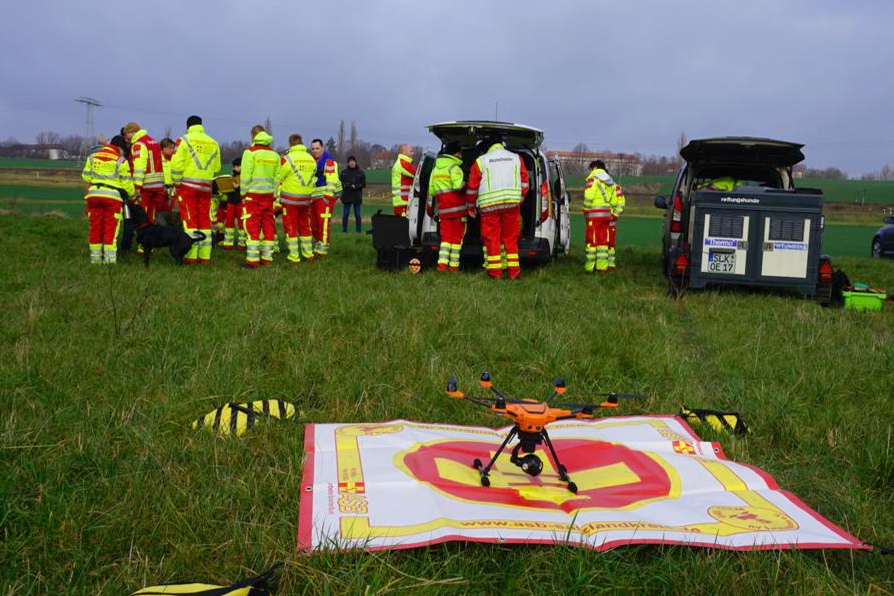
391,239
757,236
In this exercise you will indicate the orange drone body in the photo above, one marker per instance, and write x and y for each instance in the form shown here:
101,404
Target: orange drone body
534,416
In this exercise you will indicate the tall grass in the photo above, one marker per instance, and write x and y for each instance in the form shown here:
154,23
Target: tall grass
105,489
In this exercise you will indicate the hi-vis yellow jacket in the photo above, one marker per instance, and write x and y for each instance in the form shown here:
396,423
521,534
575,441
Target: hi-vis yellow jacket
619,203
107,170
148,169
599,195
297,178
260,168
402,173
196,160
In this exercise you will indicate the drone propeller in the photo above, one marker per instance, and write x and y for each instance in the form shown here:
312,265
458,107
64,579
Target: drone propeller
487,402
613,395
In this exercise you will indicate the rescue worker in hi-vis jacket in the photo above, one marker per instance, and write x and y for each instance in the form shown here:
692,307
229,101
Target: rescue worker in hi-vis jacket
498,184
111,182
446,187
257,185
325,193
402,173
195,163
599,191
297,180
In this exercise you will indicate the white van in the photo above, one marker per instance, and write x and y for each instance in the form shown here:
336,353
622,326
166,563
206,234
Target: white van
545,228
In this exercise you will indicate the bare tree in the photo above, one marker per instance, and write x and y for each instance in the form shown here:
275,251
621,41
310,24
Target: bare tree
887,172
47,137
340,147
682,141
354,137
167,132
579,160
268,125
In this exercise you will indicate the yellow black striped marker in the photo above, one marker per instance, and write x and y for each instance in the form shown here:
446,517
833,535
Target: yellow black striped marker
233,419
721,421
259,585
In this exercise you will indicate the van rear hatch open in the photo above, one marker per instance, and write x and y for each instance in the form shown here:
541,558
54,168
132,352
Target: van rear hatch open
469,132
743,150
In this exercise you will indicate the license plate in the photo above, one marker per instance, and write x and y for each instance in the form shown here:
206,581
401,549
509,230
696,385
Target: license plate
722,262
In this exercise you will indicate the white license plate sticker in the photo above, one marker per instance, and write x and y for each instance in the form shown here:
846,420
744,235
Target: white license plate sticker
722,262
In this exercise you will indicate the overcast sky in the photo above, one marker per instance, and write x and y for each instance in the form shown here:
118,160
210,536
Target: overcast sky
621,76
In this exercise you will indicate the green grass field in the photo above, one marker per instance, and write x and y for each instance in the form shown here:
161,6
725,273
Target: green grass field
104,489
835,191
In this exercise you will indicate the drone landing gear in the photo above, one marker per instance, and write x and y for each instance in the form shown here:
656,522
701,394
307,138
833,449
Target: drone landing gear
529,463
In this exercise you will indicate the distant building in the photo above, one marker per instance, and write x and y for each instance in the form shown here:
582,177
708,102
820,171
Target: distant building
619,164
35,151
383,160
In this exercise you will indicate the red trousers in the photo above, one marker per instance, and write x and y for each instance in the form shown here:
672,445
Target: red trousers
400,210
453,230
597,232
612,231
195,211
321,217
104,217
501,228
296,220
153,201
259,220
232,215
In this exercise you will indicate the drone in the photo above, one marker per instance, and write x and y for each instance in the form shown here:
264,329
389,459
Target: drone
530,418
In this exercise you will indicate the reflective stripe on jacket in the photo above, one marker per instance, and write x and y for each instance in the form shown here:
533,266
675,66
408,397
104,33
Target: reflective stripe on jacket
620,201
297,178
498,180
107,171
147,162
402,173
260,168
196,160
446,185
599,195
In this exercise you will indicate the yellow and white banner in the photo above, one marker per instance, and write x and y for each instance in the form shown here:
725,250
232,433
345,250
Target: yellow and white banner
644,479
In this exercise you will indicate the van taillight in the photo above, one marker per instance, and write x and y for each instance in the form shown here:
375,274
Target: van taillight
677,215
825,272
681,264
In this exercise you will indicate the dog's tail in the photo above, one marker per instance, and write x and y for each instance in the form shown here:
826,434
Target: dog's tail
196,236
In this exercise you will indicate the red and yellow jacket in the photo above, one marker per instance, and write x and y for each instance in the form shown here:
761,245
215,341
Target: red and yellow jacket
147,162
108,171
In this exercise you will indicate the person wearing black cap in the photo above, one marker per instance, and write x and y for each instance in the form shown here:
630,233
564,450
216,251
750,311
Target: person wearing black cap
353,181
445,187
193,167
111,183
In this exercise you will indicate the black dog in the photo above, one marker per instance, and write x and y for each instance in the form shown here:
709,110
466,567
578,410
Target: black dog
151,236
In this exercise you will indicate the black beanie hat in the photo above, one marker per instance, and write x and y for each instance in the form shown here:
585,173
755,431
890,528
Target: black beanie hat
118,141
192,121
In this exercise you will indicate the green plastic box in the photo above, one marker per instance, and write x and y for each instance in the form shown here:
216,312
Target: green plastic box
863,300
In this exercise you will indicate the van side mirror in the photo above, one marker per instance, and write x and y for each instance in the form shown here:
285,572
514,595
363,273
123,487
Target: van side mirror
660,202
889,220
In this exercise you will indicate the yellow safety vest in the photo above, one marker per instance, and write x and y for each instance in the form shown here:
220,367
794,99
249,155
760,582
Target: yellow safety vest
196,160
297,178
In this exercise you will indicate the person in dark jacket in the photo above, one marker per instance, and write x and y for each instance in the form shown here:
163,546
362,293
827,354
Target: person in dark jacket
353,181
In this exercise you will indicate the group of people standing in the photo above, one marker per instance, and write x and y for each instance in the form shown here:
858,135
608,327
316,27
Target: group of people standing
302,185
